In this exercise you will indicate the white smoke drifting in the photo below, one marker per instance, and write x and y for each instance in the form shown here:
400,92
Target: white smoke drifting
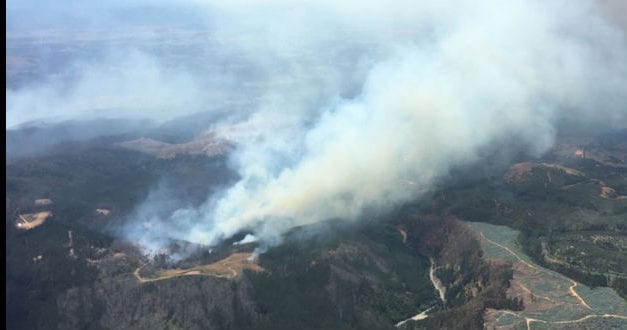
369,95
125,84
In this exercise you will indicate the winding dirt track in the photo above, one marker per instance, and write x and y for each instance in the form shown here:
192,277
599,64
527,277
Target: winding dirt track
437,284
571,290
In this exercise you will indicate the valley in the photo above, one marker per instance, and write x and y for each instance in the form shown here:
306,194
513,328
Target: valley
548,254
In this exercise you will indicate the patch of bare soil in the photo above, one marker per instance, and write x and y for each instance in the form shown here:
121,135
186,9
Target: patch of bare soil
207,145
43,201
32,220
102,212
533,301
568,170
229,267
608,192
519,172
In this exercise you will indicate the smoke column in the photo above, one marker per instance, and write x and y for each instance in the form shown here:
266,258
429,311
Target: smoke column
413,89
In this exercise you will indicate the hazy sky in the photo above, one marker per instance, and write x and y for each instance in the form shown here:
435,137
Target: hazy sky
162,59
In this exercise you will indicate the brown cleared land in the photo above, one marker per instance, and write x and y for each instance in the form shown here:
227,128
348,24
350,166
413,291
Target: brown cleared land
608,192
32,220
207,145
229,268
545,295
519,172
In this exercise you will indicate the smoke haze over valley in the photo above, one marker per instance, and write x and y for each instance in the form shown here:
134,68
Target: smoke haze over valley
334,108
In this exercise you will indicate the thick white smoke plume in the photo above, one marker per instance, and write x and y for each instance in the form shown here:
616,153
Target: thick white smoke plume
386,96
